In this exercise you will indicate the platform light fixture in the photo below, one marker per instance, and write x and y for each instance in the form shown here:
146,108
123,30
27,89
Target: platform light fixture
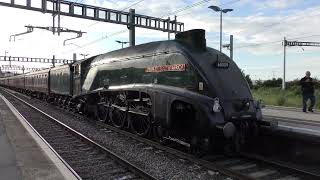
218,9
84,55
122,42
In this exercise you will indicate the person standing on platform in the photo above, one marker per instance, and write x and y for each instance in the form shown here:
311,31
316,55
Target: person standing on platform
307,87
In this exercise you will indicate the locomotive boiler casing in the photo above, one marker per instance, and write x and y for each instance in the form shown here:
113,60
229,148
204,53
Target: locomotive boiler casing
179,76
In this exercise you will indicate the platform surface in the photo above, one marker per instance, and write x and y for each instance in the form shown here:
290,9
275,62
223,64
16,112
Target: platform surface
21,156
290,113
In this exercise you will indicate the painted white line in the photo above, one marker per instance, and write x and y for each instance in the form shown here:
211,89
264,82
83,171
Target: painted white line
67,174
300,130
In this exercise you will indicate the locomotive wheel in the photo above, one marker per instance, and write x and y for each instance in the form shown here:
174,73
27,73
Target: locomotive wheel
141,124
101,113
118,115
118,118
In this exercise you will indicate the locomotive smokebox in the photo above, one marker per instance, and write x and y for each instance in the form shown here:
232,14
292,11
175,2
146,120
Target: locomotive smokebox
194,39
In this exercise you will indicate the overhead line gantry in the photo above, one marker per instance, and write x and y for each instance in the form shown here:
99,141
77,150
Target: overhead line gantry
17,68
53,61
84,11
293,43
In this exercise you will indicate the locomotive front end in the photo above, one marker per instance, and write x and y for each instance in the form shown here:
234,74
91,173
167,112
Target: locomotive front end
230,106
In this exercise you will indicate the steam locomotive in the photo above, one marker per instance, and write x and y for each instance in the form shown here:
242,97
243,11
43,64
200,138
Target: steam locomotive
177,89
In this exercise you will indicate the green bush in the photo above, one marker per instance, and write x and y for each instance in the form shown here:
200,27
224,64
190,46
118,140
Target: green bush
281,101
317,95
276,96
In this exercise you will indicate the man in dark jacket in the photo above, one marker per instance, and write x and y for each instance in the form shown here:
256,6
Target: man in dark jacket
307,87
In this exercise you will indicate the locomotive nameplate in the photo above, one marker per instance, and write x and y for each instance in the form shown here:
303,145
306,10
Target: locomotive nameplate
173,67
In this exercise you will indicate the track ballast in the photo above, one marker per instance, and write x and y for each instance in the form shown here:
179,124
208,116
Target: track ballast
86,157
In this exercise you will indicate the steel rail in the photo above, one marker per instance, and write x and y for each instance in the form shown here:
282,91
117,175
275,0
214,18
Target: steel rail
279,164
202,162
43,139
111,154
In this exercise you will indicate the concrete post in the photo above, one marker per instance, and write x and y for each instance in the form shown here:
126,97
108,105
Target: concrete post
220,31
132,41
53,60
284,64
168,27
74,57
231,47
175,24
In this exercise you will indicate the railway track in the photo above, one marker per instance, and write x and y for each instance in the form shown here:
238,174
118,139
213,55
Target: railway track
241,166
86,158
245,166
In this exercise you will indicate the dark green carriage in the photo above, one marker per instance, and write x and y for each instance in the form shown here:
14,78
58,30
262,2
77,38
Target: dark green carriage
61,80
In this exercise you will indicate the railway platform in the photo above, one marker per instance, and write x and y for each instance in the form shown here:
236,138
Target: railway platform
293,119
290,113
23,154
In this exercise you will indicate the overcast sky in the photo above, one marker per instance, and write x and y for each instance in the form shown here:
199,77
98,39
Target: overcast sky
258,26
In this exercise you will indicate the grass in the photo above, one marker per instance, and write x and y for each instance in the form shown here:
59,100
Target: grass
290,97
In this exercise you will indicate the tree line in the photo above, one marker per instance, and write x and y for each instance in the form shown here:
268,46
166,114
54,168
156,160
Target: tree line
274,82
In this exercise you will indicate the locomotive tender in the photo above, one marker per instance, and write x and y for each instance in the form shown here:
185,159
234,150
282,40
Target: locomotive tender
170,89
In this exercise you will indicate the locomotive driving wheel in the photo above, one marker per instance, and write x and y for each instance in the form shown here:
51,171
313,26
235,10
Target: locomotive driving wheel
118,115
102,111
141,121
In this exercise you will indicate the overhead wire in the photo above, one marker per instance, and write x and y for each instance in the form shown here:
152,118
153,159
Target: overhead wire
168,14
277,23
223,4
272,42
265,28
106,36
123,31
269,26
96,41
186,8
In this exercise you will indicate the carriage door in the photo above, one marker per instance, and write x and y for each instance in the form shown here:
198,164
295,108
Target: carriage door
76,80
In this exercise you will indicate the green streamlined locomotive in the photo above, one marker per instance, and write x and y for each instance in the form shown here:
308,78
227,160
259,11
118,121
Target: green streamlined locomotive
177,89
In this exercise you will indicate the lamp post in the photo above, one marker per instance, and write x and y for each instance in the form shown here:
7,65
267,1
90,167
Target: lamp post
84,55
122,42
218,9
